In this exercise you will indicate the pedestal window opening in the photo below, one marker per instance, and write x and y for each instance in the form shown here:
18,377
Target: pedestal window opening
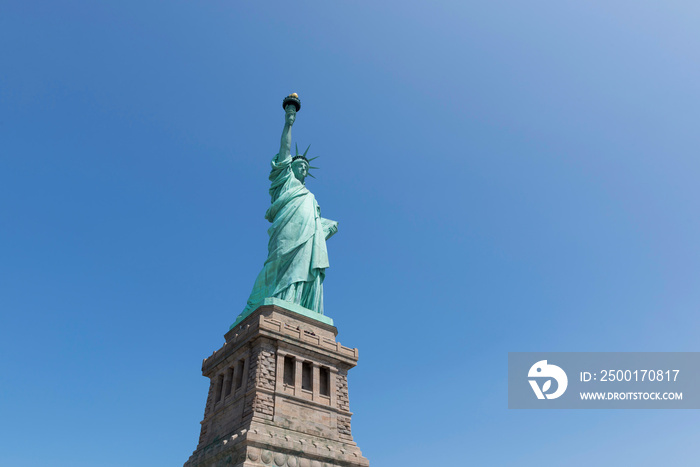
324,383
219,387
289,371
307,376
239,373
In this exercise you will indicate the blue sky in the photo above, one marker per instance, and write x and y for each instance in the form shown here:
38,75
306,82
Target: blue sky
508,176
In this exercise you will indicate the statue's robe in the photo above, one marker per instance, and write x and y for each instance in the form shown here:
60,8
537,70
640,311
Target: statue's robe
297,255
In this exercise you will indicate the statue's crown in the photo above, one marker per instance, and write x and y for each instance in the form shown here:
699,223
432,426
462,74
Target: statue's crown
303,157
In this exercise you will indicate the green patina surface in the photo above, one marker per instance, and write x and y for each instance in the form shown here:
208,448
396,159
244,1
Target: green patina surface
297,258
287,306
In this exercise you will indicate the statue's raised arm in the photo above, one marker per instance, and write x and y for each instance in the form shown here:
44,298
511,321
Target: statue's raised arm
291,106
290,114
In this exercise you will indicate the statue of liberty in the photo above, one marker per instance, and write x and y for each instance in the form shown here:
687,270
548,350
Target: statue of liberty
297,257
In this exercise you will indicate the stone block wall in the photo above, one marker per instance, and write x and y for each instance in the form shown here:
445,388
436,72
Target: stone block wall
342,390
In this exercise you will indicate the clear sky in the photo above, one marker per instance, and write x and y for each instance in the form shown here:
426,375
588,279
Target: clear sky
508,176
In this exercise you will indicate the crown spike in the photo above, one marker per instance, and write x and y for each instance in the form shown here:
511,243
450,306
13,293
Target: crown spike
307,150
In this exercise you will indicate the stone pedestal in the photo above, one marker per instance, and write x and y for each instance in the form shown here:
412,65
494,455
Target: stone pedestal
278,395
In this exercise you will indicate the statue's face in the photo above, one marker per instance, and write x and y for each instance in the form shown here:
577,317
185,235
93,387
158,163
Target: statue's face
300,169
